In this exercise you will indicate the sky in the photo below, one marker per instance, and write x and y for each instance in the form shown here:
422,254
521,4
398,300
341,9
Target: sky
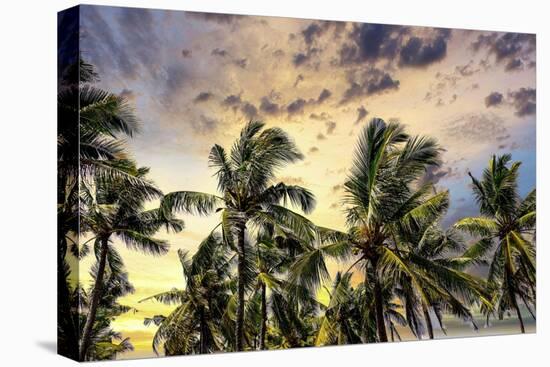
195,79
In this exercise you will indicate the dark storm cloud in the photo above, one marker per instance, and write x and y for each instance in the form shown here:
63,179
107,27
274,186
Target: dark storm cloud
203,97
370,42
480,127
494,99
524,101
269,107
418,52
331,126
361,114
296,107
369,83
325,94
509,48
316,29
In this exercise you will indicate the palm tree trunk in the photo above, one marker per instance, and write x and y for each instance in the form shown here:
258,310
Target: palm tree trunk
520,318
263,326
428,321
239,323
68,331
96,295
379,306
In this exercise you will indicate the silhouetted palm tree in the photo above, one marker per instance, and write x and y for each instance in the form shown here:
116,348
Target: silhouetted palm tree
195,324
115,209
249,195
505,229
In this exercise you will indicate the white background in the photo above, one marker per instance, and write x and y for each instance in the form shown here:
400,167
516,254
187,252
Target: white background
28,184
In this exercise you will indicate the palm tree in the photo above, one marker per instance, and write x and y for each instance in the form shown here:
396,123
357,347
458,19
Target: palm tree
195,324
90,122
104,345
505,230
248,195
431,255
384,198
115,210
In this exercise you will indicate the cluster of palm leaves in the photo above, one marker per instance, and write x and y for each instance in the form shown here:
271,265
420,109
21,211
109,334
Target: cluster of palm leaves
255,281
101,199
258,278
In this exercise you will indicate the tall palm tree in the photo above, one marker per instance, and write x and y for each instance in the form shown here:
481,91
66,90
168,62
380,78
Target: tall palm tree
106,344
383,198
249,196
90,124
195,324
115,209
506,234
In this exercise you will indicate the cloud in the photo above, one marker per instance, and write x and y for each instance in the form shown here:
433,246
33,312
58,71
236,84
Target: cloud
249,110
242,63
219,52
418,52
205,124
269,107
337,188
435,174
494,99
323,116
325,94
476,127
466,70
369,83
203,97
371,42
232,100
311,32
514,64
510,49
299,78
361,114
524,101
331,126
296,107
300,58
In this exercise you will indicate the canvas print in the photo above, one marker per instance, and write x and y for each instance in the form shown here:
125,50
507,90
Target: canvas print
233,183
